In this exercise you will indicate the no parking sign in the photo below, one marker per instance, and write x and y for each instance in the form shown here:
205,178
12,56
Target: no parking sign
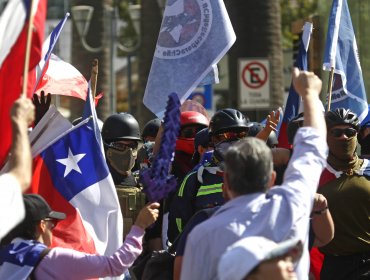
254,83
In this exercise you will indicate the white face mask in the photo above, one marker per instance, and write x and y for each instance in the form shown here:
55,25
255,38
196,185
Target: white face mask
122,161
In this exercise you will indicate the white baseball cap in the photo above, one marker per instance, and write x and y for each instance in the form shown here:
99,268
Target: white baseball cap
244,255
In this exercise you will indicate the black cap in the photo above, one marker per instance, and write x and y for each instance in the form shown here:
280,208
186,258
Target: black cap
38,209
151,128
201,139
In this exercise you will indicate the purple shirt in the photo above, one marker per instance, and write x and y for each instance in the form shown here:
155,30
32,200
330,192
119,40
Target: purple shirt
62,263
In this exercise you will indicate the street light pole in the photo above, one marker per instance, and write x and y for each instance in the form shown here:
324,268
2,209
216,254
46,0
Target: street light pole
82,16
113,55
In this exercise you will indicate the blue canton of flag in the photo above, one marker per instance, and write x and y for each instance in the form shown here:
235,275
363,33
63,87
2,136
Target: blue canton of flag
341,54
75,162
194,36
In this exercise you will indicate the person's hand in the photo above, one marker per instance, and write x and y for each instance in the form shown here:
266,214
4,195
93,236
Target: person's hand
42,105
319,203
273,119
148,215
23,111
306,83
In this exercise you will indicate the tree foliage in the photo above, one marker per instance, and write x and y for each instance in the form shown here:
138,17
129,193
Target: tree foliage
292,10
127,34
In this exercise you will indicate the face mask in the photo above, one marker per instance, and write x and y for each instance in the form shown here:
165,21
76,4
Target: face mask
122,161
342,149
186,145
221,149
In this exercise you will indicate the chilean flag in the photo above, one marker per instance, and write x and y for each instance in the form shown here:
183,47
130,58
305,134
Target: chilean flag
293,103
47,48
62,78
13,38
55,75
72,175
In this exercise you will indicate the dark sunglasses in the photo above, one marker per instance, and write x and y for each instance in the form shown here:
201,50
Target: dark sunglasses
226,136
338,132
190,131
122,146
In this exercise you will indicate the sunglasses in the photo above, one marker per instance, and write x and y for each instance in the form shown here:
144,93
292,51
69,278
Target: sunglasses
122,146
190,131
227,136
53,222
338,132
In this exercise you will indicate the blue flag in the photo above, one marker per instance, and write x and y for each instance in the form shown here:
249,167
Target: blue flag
293,102
341,54
194,36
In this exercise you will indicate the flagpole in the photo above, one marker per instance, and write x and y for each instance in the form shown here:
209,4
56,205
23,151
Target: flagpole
28,49
94,77
330,87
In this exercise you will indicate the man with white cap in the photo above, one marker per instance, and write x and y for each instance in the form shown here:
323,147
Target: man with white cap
255,209
256,257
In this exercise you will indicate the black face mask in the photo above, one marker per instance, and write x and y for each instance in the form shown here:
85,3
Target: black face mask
221,149
365,145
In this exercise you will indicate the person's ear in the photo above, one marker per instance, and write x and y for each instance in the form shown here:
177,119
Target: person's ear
41,227
272,179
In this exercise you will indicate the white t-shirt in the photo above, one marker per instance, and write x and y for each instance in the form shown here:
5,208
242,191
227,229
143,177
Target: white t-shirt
11,204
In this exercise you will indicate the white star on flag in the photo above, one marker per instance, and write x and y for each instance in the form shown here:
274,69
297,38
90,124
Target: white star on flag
71,162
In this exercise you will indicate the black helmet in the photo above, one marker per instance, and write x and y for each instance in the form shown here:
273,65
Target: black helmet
342,116
120,126
255,128
293,126
226,119
151,128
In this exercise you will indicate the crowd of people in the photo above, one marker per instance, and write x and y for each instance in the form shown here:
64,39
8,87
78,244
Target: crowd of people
243,208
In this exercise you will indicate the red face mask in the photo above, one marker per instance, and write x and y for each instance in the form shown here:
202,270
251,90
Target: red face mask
185,144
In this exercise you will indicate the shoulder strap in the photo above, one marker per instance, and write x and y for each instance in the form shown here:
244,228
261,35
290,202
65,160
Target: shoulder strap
42,255
172,249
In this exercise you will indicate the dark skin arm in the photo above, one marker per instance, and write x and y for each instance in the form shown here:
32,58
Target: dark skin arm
272,121
42,105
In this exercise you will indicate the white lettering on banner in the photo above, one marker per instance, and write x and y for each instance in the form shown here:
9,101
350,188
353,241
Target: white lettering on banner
184,28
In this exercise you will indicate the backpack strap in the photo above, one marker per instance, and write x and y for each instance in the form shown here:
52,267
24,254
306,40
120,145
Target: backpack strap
42,255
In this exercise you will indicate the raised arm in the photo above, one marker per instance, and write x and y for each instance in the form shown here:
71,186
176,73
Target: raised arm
308,86
20,160
272,121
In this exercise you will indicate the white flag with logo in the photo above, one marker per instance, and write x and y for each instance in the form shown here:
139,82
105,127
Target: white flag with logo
194,35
